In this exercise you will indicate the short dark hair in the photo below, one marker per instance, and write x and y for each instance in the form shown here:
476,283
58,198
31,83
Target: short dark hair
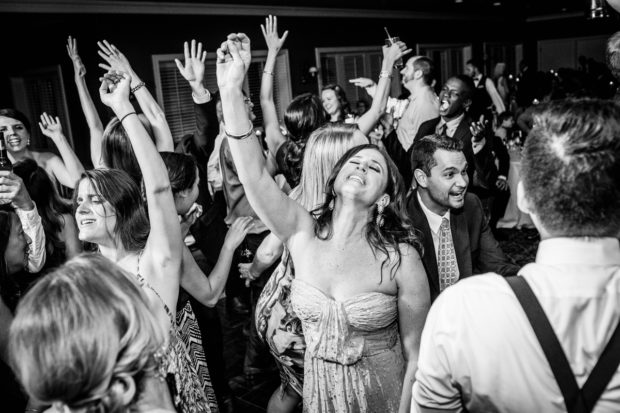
571,165
17,115
121,191
504,116
181,170
426,65
612,53
468,85
423,150
475,63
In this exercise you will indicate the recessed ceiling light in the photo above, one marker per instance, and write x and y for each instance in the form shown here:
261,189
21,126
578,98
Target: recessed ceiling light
497,3
458,1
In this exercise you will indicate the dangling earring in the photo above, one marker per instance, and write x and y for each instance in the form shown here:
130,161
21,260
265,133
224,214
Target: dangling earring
380,220
331,204
28,142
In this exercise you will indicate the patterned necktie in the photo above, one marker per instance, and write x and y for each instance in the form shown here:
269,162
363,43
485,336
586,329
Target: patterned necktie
446,260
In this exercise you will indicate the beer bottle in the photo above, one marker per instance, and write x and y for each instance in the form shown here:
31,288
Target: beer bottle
5,162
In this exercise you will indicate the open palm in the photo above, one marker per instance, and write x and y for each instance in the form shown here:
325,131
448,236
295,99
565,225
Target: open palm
194,68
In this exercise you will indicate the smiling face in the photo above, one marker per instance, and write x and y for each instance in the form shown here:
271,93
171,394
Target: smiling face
330,101
364,177
452,99
15,134
95,216
16,253
445,187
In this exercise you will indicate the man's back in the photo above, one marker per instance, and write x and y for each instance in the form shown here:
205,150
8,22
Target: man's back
488,348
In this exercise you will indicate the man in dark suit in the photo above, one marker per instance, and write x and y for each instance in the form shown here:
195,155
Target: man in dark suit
457,241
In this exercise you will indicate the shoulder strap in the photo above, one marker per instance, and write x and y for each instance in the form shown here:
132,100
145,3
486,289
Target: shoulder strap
577,400
548,341
146,284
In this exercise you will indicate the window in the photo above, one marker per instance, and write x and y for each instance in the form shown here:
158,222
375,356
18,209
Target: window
449,59
340,64
39,91
175,97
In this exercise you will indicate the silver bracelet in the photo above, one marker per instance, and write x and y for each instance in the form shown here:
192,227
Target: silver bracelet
385,73
267,72
240,137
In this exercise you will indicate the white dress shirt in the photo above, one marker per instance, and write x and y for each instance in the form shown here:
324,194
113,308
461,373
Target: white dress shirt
478,349
31,224
434,222
451,127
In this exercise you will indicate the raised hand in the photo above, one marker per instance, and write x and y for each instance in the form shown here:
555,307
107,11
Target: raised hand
362,82
233,60
270,32
194,69
50,127
114,89
72,51
114,58
237,231
395,52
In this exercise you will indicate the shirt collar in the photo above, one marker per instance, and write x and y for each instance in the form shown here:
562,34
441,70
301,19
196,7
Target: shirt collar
434,220
451,124
582,250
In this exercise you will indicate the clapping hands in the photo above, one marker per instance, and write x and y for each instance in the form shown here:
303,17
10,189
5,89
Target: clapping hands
114,89
233,60
72,51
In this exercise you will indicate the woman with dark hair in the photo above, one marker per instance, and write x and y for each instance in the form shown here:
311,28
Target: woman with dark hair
335,102
84,339
65,169
61,237
303,115
110,213
360,288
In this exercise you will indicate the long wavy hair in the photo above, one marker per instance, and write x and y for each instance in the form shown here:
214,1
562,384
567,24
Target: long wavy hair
325,147
50,205
80,331
345,107
397,227
303,116
118,188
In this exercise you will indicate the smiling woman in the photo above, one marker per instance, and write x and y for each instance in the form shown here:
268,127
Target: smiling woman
65,169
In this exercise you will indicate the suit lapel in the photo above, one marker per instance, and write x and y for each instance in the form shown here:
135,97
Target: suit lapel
460,239
429,257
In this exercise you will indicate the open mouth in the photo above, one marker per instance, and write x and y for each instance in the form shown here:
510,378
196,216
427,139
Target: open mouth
458,196
444,105
356,179
14,141
85,222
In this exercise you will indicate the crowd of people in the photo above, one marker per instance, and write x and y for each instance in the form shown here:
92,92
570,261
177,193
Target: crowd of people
362,245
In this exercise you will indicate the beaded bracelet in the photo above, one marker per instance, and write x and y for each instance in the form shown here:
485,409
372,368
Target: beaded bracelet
385,73
123,118
240,137
138,86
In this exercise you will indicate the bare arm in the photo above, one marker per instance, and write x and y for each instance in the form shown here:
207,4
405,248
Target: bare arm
86,102
69,169
151,109
273,133
163,248
495,97
208,290
413,305
283,216
266,255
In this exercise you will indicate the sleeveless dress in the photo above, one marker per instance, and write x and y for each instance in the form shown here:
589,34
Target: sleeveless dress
187,325
185,387
354,360
279,327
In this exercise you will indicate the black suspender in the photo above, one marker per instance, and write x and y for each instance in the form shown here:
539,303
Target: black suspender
577,400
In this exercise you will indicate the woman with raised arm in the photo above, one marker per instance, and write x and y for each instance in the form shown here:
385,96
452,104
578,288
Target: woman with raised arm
93,120
360,288
110,213
65,169
276,322
154,114
303,115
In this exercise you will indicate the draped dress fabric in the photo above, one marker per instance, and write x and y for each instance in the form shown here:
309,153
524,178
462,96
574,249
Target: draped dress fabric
280,328
354,360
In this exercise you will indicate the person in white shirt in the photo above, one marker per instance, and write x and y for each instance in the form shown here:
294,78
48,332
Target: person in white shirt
421,105
479,351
